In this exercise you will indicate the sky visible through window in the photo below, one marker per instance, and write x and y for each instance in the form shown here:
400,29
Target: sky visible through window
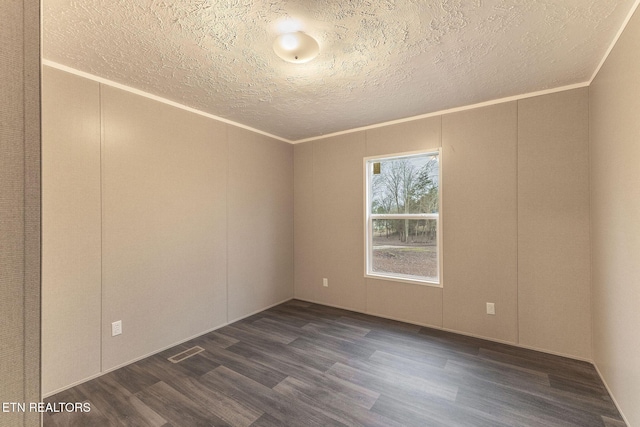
405,185
405,247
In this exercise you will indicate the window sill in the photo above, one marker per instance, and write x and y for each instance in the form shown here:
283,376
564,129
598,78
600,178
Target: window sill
403,280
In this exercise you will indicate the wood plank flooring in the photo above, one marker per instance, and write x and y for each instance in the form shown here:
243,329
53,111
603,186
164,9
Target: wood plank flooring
302,364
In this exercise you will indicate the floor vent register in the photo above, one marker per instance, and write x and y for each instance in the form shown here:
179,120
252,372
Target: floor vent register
186,354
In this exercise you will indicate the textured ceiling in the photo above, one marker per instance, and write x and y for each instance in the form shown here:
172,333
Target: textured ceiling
380,60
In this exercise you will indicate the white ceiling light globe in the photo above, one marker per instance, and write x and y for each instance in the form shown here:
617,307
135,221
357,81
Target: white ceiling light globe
296,47
289,41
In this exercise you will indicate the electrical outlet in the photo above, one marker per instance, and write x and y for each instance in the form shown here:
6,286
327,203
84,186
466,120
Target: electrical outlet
491,308
116,328
325,282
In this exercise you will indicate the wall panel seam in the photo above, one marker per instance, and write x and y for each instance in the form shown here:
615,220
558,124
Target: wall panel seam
442,283
364,214
314,267
24,212
102,320
226,222
591,305
518,222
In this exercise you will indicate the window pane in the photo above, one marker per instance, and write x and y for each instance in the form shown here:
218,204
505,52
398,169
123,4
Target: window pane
404,185
405,246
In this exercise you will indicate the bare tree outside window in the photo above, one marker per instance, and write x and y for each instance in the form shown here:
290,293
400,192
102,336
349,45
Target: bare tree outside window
402,217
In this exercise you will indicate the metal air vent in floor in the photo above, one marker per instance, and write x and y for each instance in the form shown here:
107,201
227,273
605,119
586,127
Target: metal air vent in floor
186,354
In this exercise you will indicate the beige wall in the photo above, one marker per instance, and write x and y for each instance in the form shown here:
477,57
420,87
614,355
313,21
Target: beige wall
479,203
161,228
20,208
71,253
529,158
402,301
553,223
338,230
304,222
169,221
615,220
163,175
260,230
489,185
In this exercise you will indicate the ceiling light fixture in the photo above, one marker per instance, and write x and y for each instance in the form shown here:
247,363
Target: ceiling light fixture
296,47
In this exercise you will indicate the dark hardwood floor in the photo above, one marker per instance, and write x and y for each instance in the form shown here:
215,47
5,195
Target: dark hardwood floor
302,364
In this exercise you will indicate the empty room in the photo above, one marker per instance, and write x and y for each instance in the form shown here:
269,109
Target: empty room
300,213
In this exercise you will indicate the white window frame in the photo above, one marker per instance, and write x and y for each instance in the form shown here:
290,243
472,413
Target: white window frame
369,217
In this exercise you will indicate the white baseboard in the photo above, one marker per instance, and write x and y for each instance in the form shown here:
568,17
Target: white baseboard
84,380
526,347
122,365
342,308
258,311
615,402
488,339
554,353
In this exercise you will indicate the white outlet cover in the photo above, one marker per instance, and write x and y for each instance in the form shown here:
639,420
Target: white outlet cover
116,328
325,282
491,308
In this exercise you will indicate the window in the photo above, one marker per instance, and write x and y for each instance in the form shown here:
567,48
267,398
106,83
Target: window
403,217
